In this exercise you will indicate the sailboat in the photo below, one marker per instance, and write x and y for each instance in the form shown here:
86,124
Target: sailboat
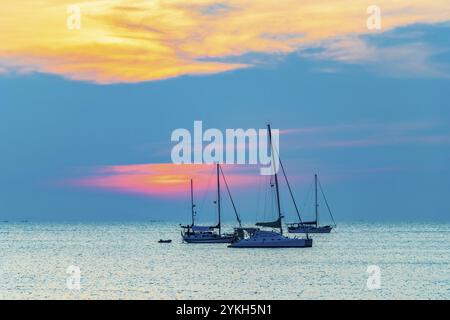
207,234
257,238
313,226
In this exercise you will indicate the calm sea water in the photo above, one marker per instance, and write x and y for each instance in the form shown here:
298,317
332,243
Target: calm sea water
124,261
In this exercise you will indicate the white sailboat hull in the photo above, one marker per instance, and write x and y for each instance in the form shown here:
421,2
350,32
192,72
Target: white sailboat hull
298,243
269,239
198,238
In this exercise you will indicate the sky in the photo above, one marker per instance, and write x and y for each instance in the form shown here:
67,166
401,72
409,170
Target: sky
86,115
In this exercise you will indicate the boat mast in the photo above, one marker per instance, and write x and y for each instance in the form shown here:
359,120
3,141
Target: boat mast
317,205
192,202
276,179
218,196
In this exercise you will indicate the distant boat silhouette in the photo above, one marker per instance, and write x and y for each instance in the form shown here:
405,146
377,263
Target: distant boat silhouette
256,238
313,226
206,234
164,241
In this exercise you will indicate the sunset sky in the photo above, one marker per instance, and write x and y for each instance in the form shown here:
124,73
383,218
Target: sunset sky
86,115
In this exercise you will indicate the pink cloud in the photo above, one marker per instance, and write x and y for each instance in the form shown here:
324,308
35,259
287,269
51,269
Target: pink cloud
164,179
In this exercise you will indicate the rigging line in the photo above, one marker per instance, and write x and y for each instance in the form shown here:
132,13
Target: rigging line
326,202
206,192
289,186
266,196
258,198
231,198
273,197
290,192
269,203
307,198
189,214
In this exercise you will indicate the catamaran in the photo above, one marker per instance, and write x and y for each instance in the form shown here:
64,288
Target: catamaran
257,238
207,234
313,226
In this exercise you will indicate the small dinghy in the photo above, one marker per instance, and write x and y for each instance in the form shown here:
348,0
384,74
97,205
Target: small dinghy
164,241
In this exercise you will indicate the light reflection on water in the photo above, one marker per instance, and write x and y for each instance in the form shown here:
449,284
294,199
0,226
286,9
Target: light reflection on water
124,261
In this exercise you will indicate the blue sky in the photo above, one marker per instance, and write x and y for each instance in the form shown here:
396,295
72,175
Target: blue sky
372,120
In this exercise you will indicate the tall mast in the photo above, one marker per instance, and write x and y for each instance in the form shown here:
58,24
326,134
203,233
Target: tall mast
192,202
317,205
276,179
218,196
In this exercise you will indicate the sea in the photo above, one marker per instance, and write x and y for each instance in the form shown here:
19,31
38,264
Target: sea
125,261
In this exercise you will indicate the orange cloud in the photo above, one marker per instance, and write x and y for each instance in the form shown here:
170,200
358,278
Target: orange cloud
165,180
142,40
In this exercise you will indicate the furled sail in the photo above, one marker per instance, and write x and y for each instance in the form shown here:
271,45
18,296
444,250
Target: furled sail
270,224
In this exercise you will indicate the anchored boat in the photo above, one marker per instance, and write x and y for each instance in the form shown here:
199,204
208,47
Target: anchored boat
313,226
207,234
257,238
